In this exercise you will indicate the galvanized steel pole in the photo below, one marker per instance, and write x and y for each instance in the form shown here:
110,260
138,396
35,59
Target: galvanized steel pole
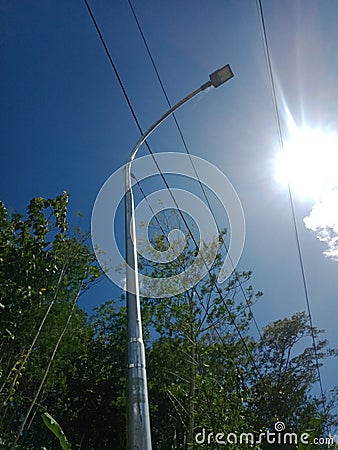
138,426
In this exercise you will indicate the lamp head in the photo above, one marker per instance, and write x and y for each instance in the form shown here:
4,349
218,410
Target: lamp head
220,76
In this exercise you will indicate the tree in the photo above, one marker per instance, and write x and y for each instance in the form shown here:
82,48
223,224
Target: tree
205,371
286,361
204,366
196,360
43,271
96,384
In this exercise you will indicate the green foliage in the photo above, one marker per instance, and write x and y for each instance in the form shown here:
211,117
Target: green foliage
204,369
96,385
204,366
196,359
313,432
43,271
287,367
55,428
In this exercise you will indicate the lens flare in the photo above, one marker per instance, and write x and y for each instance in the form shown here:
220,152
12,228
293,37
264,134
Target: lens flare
309,163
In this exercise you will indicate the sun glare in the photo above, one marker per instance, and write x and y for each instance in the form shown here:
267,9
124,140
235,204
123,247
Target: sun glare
309,163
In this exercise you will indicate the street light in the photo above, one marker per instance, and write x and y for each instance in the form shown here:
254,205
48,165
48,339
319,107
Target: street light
138,427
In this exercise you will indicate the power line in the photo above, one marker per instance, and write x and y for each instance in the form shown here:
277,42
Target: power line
194,289
281,141
163,178
219,292
185,145
130,106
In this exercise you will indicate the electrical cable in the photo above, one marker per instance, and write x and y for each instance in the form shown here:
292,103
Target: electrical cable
198,294
114,68
162,175
185,145
241,381
281,141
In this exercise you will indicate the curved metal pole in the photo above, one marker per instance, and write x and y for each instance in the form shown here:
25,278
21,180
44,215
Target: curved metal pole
145,135
138,427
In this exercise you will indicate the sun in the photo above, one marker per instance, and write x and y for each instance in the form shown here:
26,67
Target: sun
309,163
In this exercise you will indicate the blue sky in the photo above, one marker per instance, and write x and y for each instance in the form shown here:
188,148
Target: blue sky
65,124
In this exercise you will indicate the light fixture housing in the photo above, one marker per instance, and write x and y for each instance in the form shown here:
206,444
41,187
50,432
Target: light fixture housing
220,76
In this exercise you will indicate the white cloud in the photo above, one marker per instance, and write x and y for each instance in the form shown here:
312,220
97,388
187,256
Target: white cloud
323,220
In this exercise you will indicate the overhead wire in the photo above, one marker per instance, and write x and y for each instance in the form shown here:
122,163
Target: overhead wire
277,116
240,381
293,213
125,95
186,148
194,289
164,179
